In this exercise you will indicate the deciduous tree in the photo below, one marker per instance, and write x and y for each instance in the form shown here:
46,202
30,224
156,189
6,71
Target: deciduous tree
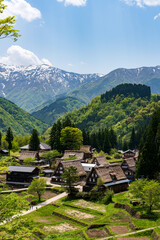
71,138
37,187
7,25
70,176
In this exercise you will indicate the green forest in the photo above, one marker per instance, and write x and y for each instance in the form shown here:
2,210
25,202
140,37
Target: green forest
119,112
21,122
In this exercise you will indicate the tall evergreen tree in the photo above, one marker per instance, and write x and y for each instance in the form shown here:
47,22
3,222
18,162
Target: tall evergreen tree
68,123
34,141
9,138
132,142
148,164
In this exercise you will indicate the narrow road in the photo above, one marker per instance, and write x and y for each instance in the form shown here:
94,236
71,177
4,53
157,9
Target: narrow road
53,199
34,208
128,234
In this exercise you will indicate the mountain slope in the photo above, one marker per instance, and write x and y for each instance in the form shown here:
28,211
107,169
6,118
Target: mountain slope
144,75
29,87
119,112
52,112
21,122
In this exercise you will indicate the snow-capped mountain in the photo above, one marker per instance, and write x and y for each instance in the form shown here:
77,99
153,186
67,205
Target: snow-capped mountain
31,86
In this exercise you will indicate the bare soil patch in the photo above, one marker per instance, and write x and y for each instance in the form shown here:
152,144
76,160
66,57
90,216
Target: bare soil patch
119,229
48,194
133,238
96,233
83,203
79,215
64,227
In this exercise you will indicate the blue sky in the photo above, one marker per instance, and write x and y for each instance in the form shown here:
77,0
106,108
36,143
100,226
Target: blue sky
84,36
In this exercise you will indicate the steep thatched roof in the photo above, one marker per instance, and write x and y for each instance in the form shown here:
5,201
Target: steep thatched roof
74,163
101,160
26,154
130,162
110,173
73,153
85,148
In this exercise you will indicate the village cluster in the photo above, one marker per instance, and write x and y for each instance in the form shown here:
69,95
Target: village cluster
115,176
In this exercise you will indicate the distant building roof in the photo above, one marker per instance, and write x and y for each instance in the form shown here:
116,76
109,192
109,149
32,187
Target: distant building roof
129,150
21,169
4,151
71,153
26,154
42,146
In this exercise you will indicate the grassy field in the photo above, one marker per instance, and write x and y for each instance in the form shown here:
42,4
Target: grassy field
81,219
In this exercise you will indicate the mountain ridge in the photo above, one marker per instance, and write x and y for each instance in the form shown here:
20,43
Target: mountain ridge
29,87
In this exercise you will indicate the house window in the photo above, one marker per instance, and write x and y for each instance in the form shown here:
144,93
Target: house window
94,180
90,179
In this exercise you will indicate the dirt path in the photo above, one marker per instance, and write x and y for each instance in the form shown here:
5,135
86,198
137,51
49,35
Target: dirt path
128,234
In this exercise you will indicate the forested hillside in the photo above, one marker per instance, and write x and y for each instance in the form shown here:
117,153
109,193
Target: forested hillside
21,122
119,112
52,112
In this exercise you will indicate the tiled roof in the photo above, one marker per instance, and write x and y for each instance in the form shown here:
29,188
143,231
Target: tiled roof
21,169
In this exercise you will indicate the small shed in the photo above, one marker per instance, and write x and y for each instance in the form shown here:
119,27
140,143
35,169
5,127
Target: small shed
48,173
4,152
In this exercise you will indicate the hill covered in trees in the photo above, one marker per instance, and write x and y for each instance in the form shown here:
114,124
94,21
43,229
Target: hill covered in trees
21,122
52,112
119,112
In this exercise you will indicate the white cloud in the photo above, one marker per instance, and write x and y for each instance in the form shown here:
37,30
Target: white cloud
77,3
21,8
157,16
20,56
143,3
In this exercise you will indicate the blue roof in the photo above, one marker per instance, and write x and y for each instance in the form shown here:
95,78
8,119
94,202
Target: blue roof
116,183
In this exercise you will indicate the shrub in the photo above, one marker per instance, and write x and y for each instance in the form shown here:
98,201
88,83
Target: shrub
107,197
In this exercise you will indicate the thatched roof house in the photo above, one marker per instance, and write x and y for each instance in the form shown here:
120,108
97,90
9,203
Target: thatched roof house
129,167
112,176
65,164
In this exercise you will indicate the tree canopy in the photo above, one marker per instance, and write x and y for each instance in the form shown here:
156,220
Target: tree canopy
71,138
37,187
7,25
70,177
